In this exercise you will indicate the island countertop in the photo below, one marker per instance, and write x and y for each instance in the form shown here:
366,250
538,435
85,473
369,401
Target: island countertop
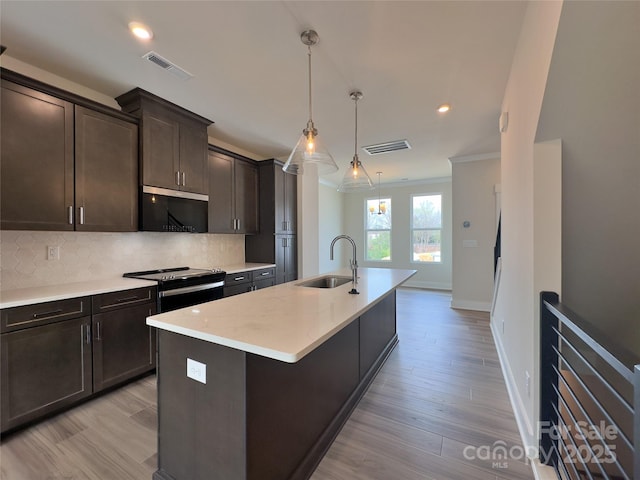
284,322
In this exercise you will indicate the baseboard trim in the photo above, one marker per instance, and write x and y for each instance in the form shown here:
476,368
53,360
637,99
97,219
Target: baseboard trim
471,305
524,424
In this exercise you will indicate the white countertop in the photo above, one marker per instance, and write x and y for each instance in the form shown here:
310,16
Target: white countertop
245,267
284,322
32,295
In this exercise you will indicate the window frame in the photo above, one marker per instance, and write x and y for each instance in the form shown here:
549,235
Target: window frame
412,229
367,230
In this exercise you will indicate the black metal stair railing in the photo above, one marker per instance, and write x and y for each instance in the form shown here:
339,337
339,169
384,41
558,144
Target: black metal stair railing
589,399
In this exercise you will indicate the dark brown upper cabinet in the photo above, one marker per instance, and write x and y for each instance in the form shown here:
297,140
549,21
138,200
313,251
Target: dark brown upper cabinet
106,172
37,159
173,143
233,194
67,163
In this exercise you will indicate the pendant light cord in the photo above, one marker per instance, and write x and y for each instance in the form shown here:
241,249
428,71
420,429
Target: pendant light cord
355,145
379,211
310,108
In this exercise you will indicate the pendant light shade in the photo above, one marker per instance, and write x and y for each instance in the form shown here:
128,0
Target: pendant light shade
355,178
310,149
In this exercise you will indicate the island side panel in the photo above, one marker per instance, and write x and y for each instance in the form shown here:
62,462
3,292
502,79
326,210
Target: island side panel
290,405
201,427
377,329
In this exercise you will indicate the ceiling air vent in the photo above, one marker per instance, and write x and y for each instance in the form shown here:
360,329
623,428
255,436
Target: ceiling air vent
162,62
386,147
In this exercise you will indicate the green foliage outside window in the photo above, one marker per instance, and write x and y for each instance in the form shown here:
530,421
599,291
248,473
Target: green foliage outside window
426,223
378,229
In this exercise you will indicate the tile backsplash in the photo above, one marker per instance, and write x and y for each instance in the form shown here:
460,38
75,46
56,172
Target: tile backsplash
89,256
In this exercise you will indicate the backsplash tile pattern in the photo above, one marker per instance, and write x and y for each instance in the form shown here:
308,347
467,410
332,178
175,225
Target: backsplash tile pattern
88,256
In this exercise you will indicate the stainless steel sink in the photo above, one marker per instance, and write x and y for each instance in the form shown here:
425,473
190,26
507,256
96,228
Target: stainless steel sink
330,281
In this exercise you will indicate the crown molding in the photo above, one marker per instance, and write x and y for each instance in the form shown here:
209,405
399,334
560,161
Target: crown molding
475,158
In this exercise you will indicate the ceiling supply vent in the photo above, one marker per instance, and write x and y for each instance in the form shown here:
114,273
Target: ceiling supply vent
165,64
387,147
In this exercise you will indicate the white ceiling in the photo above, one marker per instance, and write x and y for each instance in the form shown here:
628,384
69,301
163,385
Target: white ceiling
250,69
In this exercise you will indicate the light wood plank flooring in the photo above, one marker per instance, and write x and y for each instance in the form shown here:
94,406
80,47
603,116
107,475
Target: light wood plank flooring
439,395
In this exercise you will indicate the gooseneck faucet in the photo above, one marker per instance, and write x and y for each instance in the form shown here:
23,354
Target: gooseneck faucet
353,263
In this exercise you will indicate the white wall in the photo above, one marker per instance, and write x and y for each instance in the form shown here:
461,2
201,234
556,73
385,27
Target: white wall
330,222
592,102
474,181
514,323
436,276
308,214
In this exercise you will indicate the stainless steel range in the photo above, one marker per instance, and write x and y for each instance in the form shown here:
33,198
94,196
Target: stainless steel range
183,286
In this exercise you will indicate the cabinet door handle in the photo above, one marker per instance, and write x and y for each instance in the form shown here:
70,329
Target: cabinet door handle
178,178
184,179
70,214
47,314
98,331
128,299
284,225
81,211
238,227
87,335
265,273
237,279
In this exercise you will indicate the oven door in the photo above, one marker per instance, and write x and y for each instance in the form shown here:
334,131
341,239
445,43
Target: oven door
188,296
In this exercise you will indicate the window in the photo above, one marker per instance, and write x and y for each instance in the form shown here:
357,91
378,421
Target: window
378,229
426,228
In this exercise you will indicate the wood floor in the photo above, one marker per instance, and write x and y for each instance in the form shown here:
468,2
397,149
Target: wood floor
437,410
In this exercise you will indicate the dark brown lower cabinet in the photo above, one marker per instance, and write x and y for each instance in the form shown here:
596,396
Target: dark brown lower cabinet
44,369
257,418
124,346
278,249
243,282
55,354
286,247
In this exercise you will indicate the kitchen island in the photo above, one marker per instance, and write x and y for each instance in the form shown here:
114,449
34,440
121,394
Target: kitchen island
258,385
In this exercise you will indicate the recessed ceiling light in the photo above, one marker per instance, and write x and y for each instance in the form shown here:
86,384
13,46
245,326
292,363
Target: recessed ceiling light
140,30
444,108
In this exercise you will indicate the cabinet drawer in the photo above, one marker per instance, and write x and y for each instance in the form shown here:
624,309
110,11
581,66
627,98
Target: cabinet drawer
268,282
18,318
232,290
238,278
124,298
263,274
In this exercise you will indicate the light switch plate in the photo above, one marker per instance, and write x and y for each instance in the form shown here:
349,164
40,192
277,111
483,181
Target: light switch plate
197,371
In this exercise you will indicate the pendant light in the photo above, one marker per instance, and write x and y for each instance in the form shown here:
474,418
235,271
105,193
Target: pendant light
309,149
355,178
382,208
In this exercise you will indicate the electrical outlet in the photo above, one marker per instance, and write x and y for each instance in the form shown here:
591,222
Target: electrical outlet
197,371
527,382
53,252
